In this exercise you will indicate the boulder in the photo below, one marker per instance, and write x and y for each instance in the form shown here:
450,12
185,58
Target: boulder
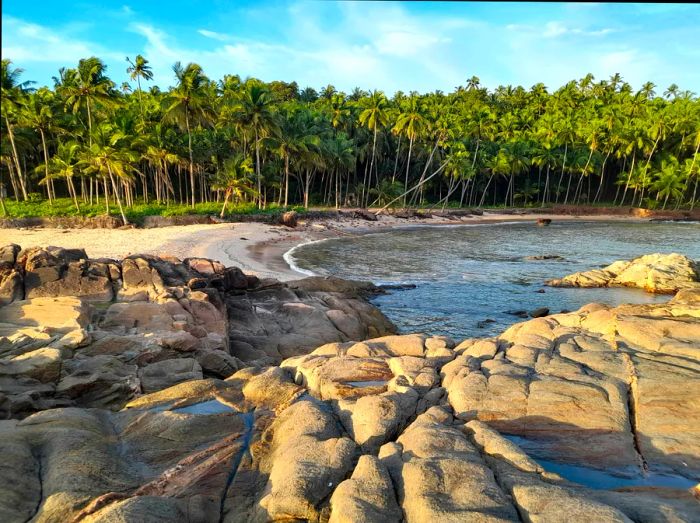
657,273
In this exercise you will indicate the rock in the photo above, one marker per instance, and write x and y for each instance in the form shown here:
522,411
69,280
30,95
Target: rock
365,215
657,273
163,374
367,496
289,219
544,257
539,313
543,221
8,253
11,283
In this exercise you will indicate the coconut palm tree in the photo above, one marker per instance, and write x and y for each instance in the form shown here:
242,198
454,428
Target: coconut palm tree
12,93
139,68
373,116
410,123
234,179
254,111
187,105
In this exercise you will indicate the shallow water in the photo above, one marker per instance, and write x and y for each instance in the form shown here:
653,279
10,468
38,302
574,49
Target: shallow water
205,408
601,479
467,274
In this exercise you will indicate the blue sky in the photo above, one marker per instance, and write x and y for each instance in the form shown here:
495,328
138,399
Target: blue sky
390,46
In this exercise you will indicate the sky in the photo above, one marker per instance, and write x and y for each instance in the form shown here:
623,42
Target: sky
412,46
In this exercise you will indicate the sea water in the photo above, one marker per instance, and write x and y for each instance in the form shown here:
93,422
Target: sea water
469,277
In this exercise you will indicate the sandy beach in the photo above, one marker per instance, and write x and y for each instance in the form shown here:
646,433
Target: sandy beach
257,248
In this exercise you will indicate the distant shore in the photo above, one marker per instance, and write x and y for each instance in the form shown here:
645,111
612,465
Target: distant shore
257,248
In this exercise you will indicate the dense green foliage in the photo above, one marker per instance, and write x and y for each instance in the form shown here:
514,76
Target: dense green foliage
245,142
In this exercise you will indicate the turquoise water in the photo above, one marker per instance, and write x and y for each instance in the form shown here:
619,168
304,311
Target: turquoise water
469,276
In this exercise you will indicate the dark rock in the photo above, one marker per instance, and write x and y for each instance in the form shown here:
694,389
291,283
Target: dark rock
520,312
289,219
544,257
484,323
8,253
540,291
365,215
539,313
197,283
234,279
543,221
397,286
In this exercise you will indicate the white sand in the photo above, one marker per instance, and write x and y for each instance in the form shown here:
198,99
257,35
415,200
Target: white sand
257,248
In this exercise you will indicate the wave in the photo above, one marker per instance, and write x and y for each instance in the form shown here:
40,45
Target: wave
291,261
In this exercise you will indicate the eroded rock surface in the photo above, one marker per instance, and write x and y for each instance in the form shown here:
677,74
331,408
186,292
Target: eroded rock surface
97,333
658,273
147,415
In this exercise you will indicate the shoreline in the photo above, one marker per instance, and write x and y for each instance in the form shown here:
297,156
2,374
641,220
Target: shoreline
256,248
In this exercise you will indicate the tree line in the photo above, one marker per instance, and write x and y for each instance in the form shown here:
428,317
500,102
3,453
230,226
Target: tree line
243,140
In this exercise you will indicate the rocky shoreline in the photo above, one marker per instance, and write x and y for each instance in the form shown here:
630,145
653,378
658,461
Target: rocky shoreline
156,389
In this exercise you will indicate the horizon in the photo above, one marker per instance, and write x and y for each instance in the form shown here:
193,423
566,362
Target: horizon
392,47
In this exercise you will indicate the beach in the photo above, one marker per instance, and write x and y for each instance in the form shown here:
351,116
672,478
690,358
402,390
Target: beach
256,248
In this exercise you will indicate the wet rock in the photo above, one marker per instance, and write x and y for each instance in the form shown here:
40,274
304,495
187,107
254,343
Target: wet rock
657,273
539,313
543,221
544,257
365,215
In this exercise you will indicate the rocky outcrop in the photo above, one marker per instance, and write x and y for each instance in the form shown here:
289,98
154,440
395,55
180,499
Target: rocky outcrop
146,413
260,446
97,333
658,273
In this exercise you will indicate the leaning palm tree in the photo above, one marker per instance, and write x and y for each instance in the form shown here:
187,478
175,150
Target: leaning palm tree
254,112
234,179
188,104
669,180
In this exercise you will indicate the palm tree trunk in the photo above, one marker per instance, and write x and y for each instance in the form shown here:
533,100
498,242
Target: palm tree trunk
483,196
116,195
223,208
408,166
602,178
629,177
396,160
546,187
286,179
16,159
46,165
371,164
257,169
561,177
189,147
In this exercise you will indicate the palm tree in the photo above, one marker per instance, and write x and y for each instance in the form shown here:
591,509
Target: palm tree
12,93
87,85
108,161
669,181
38,114
63,165
254,111
373,116
412,124
138,69
189,104
233,179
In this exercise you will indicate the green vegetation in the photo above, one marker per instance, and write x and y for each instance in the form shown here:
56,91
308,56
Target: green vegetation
243,145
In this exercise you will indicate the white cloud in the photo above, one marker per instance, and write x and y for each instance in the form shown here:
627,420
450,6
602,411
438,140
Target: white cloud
214,35
26,42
